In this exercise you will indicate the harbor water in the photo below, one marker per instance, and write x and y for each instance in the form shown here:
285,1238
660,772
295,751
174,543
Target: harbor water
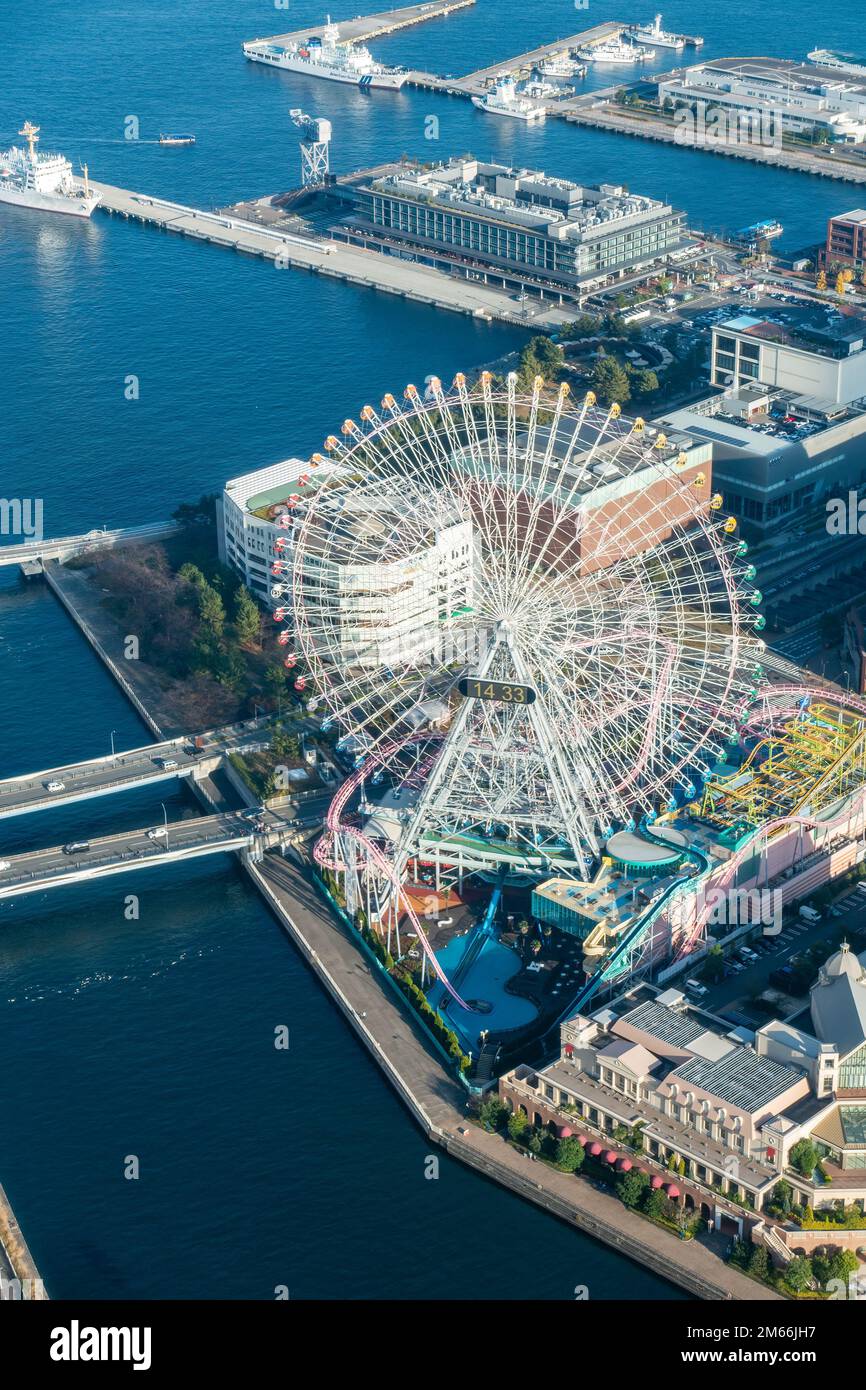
145,370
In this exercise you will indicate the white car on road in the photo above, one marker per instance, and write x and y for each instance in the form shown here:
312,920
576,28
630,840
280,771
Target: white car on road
55,785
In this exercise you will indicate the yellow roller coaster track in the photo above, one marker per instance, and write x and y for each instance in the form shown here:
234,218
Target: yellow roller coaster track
812,760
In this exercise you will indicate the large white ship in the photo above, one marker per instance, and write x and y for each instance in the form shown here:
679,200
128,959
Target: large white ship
844,62
654,34
504,100
614,52
328,58
42,181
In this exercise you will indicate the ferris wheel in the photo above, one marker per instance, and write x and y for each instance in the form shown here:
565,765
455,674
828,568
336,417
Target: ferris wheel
553,586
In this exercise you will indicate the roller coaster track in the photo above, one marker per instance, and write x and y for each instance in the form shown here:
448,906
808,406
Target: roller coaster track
325,852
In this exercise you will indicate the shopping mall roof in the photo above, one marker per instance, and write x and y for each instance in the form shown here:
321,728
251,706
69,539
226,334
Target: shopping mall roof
741,1078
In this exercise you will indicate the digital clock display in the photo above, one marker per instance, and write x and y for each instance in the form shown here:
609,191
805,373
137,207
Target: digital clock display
472,689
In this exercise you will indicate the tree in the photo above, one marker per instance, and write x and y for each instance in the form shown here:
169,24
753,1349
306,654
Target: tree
632,1188
536,1141
804,1157
610,382
798,1275
783,1195
248,618
202,512
821,282
517,1123
759,1263
645,382
492,1112
211,610
275,681
654,1203
569,1154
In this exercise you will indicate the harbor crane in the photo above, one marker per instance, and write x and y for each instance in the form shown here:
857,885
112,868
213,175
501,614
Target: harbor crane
314,147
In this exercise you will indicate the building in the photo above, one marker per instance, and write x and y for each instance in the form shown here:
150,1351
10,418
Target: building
518,226
723,1106
846,240
248,519
809,350
762,93
394,612
787,422
854,648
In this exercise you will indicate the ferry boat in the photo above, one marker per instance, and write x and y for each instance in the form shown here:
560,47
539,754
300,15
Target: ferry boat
44,182
329,58
614,52
503,100
759,231
654,34
844,62
177,139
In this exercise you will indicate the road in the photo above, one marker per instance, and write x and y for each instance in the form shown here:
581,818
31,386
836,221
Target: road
100,776
133,849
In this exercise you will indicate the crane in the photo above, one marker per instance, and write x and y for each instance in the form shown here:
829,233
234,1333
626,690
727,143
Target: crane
314,147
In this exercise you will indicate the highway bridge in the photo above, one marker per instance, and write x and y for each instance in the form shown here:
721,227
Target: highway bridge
166,843
65,547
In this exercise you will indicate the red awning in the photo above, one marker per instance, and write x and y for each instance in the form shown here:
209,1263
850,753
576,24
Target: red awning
595,1148
610,1156
582,1139
656,1182
624,1165
564,1132
673,1190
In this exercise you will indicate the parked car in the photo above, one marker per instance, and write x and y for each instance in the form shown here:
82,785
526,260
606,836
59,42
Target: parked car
166,763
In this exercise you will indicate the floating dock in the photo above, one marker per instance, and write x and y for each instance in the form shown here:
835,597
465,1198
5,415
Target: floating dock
372,26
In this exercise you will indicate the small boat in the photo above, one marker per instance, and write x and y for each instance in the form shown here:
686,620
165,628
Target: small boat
177,139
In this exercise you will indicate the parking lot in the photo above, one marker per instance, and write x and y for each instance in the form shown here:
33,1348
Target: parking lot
745,979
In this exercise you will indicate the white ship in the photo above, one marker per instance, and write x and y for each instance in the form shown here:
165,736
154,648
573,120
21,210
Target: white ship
843,62
614,51
42,181
328,58
503,100
541,90
655,34
560,65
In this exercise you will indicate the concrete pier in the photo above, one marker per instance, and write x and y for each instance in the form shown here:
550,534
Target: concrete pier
372,26
322,256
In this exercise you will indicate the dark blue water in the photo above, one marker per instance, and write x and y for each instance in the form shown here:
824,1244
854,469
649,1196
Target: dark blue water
154,1037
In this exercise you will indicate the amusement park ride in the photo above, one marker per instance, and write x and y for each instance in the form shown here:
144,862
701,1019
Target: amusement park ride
535,626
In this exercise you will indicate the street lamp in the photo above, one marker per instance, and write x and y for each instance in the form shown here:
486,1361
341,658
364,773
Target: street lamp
113,732
165,822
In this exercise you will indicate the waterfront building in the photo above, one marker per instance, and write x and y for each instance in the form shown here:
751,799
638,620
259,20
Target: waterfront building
722,1106
248,516
788,424
803,100
846,240
548,232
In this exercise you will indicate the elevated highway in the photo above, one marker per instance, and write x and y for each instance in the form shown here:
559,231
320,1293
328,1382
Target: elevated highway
36,870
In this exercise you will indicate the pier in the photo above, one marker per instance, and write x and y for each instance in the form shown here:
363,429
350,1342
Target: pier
373,26
358,266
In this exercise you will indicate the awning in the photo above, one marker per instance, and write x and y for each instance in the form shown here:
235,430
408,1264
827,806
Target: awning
656,1182
595,1148
610,1156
